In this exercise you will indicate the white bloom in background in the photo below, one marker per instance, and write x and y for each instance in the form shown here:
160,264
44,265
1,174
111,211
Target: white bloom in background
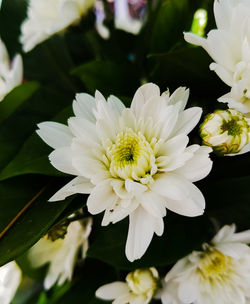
133,161
129,16
229,47
220,274
10,278
11,73
60,248
123,19
47,17
140,287
227,132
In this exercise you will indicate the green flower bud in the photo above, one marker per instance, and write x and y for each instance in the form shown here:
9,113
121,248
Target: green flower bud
226,131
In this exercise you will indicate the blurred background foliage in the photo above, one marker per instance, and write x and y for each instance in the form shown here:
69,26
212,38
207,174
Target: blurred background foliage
81,61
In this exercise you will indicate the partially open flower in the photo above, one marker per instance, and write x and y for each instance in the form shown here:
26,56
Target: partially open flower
11,73
60,248
140,287
10,278
219,274
228,132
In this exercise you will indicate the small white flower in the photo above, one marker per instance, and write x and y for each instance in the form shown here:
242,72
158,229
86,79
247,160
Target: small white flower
229,46
220,274
60,249
47,17
10,278
11,73
133,161
140,287
227,132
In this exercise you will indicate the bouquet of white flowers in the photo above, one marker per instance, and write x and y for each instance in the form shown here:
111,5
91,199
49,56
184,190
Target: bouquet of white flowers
124,164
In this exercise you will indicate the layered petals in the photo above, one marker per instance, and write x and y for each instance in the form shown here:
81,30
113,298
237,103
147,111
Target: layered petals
134,161
228,45
217,274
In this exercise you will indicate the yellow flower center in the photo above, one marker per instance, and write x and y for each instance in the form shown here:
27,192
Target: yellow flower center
131,156
215,267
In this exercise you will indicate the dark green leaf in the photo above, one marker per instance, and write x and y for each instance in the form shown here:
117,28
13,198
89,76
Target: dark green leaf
180,238
42,106
33,156
26,197
108,77
16,98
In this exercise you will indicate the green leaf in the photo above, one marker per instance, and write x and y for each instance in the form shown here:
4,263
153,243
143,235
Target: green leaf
33,156
42,106
165,250
228,198
108,77
173,17
186,66
25,213
16,98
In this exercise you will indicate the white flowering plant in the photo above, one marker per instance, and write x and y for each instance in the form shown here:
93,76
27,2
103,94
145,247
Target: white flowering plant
124,164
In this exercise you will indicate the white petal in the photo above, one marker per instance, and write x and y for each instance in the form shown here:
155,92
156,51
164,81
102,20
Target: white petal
140,233
171,186
83,106
116,104
187,120
175,145
77,185
142,95
195,39
222,72
112,291
189,289
101,197
153,203
55,135
224,234
180,97
61,159
181,196
83,129
193,205
234,250
178,268
10,278
242,237
198,166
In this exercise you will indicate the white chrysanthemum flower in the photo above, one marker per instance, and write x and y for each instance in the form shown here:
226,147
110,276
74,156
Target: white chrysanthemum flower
60,248
10,278
47,17
133,161
227,132
140,287
229,46
11,73
220,274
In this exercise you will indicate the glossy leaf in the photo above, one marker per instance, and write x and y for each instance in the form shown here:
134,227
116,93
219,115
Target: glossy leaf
26,214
